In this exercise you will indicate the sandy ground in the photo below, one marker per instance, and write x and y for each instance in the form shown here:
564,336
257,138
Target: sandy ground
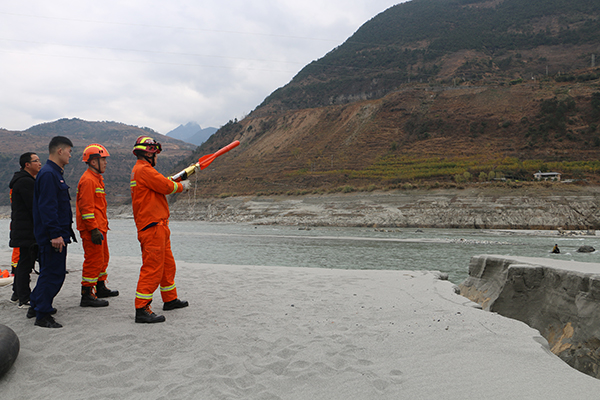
283,333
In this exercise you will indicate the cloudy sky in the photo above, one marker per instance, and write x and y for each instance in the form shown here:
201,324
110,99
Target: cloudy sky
159,64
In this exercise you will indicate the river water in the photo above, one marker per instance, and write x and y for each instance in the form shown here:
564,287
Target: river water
446,250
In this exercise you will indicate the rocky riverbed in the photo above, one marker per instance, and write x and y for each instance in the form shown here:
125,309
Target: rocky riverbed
535,208
573,209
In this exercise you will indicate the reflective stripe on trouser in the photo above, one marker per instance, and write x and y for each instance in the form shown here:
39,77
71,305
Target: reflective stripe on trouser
95,259
158,266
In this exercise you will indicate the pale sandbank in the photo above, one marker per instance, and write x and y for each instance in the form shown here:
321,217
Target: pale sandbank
254,332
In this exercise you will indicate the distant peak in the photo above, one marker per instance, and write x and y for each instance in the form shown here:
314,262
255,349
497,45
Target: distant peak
192,124
184,132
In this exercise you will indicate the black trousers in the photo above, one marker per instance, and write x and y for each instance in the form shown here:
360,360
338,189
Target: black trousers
22,280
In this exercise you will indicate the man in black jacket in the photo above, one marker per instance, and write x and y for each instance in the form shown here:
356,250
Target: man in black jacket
21,232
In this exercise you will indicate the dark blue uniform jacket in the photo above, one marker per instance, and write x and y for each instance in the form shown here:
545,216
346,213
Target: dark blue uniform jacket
52,214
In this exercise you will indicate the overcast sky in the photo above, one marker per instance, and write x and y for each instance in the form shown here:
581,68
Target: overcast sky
160,64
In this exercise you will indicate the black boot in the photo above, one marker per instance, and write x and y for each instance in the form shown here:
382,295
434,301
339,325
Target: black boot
102,291
47,322
173,304
31,312
145,315
89,299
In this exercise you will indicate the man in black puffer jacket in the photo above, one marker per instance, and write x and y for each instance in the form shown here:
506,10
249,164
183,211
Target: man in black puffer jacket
21,224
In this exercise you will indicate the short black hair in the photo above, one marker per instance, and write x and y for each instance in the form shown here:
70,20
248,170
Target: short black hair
25,158
58,141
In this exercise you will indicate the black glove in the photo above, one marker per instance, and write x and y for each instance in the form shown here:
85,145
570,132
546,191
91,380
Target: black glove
97,236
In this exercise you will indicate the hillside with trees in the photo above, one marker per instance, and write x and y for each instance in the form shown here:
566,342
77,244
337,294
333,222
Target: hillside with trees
448,42
430,93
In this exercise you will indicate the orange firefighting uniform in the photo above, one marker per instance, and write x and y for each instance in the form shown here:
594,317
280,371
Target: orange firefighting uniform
91,214
14,260
151,215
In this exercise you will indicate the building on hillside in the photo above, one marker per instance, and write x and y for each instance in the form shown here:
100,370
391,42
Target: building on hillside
552,176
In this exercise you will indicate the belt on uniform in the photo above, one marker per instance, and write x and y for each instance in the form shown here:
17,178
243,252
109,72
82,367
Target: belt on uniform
150,225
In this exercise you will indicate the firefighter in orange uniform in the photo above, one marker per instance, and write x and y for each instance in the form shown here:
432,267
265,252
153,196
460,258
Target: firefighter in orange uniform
92,224
151,214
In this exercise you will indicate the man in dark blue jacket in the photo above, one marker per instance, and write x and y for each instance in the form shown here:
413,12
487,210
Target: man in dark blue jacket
52,218
21,223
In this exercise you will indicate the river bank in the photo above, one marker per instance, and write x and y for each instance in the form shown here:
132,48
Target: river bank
558,208
554,208
559,298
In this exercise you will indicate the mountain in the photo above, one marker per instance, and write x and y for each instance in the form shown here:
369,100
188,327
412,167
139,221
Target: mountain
201,136
192,133
116,137
446,42
184,132
428,93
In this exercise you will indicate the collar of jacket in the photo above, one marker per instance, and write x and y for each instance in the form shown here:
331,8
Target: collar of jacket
55,166
19,175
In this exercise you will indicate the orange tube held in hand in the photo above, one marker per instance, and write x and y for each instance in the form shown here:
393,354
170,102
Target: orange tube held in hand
202,163
207,159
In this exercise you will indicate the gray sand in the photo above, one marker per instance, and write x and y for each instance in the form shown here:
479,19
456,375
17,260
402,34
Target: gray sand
283,333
